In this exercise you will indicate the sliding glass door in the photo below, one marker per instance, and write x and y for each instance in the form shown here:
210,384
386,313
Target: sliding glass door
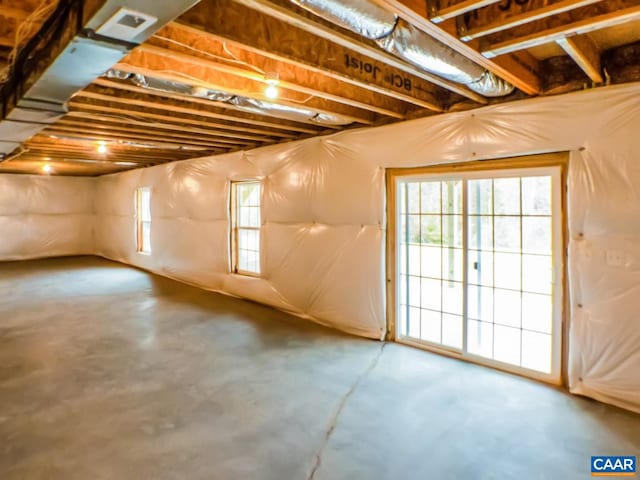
479,266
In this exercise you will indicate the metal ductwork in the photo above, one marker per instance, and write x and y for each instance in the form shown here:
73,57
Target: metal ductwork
78,50
246,104
405,41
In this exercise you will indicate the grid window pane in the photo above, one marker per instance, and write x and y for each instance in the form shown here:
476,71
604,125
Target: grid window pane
507,307
536,235
480,197
506,344
480,303
506,196
536,351
480,268
431,260
430,232
480,338
507,234
452,330
431,326
481,232
506,270
430,197
507,281
247,227
452,197
536,196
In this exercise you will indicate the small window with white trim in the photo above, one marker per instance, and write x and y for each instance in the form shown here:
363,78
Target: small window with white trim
143,220
245,231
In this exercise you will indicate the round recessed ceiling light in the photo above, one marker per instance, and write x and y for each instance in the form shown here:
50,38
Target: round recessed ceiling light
271,92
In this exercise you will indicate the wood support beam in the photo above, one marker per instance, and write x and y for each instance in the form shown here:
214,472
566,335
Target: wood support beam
359,54
493,19
233,58
519,70
123,111
238,81
114,126
454,9
585,53
607,13
153,100
124,135
158,125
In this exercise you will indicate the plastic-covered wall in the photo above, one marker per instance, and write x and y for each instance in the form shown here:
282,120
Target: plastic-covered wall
42,216
323,219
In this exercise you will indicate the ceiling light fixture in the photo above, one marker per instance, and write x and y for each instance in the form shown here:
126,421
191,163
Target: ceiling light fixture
102,148
271,79
46,168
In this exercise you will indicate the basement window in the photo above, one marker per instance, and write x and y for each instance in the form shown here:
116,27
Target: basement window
143,220
245,231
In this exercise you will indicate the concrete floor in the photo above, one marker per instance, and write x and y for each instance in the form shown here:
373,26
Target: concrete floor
107,372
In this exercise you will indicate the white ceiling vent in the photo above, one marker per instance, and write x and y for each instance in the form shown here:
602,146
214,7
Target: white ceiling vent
126,24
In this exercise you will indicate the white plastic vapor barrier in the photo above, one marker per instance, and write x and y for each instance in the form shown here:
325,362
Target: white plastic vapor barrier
43,216
323,219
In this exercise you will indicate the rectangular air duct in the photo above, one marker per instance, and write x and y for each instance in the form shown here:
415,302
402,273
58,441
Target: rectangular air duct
83,46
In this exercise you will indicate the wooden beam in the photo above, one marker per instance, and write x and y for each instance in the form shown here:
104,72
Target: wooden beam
237,81
604,14
58,127
171,127
115,127
102,108
373,56
454,9
519,70
585,53
236,59
154,100
494,19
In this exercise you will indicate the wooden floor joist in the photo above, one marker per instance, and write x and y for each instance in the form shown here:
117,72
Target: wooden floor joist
193,44
521,71
604,14
373,55
585,53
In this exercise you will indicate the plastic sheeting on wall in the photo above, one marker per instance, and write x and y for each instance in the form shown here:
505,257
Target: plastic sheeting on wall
44,216
323,213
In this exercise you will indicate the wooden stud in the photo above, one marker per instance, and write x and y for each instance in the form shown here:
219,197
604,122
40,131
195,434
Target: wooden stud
604,14
585,53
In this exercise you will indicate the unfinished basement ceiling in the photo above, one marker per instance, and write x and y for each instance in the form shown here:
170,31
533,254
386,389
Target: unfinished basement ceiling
197,87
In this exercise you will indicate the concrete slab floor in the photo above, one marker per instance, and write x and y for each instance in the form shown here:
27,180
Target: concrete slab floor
107,372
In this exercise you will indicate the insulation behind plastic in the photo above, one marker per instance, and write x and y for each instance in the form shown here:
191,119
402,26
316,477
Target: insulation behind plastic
44,216
324,222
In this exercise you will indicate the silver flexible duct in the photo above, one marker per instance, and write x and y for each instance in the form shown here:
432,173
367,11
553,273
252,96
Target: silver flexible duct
407,42
246,104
